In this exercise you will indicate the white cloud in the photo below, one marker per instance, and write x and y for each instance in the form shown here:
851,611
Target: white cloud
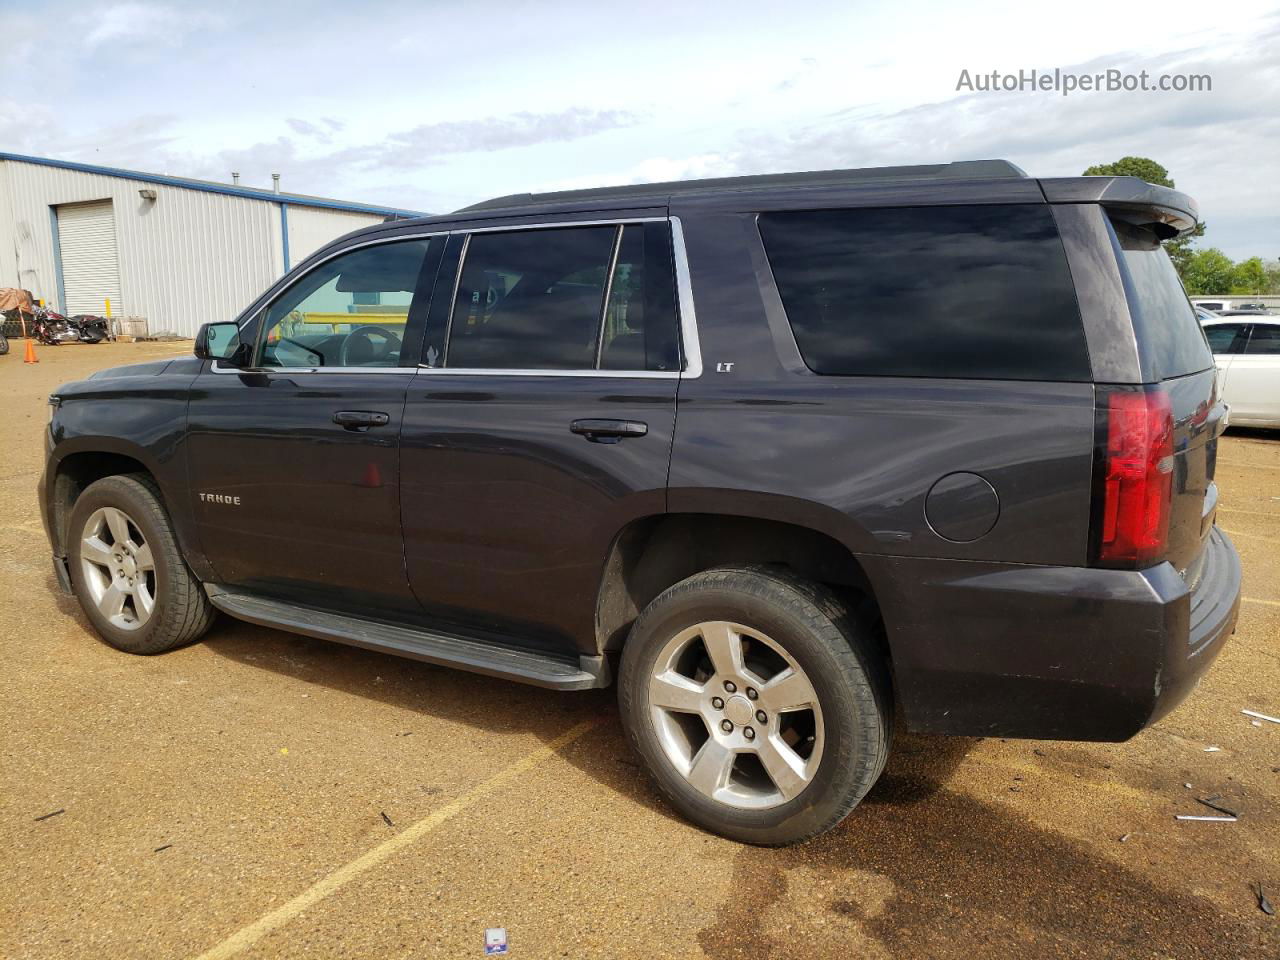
152,24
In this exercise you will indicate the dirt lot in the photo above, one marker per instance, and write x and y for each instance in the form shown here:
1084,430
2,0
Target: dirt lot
266,795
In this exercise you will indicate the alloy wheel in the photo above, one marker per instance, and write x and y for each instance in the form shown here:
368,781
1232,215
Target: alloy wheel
118,568
736,715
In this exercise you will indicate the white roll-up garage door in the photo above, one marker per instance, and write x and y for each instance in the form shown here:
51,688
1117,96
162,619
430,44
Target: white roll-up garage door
87,246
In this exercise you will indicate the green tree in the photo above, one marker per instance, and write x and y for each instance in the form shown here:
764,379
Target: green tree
1272,271
1209,272
1249,276
1141,167
1144,168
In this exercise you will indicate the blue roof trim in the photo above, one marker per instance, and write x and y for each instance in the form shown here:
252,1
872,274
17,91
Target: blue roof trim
206,186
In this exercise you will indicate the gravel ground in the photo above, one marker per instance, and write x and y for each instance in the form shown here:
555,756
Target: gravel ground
266,795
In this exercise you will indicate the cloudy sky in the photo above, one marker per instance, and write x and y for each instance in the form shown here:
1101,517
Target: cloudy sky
430,105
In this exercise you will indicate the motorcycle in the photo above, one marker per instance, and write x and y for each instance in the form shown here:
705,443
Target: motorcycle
90,328
52,328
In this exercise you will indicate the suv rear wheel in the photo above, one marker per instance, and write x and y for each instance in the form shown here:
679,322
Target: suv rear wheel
757,703
127,571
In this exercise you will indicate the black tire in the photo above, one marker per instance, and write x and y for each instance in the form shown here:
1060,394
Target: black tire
835,649
182,612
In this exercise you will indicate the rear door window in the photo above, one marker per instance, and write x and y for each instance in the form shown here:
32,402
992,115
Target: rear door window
530,299
964,292
1170,338
573,298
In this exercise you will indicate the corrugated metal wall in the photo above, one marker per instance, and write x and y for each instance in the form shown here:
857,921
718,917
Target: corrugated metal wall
310,228
186,258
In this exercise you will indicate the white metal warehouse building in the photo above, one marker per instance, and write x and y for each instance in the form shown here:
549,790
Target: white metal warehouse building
178,252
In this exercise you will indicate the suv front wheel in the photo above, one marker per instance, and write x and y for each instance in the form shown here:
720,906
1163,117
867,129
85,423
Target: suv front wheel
757,703
127,571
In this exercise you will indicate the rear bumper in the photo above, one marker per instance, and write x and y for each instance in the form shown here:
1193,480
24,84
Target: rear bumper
1066,653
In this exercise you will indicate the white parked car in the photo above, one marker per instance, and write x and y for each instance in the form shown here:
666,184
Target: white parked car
1247,352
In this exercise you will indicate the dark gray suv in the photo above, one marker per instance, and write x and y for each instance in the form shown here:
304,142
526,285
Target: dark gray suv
799,458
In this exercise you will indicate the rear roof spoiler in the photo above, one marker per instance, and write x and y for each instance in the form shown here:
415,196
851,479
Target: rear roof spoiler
1164,210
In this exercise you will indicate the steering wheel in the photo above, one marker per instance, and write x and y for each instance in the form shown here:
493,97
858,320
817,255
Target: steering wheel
367,352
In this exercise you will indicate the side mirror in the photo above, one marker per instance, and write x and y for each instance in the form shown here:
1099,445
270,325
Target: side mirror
221,341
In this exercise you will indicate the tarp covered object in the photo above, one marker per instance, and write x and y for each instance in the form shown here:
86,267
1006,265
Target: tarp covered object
12,298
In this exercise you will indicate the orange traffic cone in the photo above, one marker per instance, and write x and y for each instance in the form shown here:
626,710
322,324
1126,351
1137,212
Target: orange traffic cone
31,352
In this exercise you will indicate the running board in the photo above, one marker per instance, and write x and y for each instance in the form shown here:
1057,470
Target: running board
416,643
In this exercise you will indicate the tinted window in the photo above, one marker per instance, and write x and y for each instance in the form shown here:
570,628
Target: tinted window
531,299
978,291
1169,335
1210,304
1222,336
348,312
640,320
1264,339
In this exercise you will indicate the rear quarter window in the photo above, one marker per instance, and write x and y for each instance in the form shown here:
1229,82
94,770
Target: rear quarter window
977,292
1170,338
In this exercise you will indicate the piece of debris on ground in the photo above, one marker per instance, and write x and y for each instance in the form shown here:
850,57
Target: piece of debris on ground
1196,816
1212,804
1263,903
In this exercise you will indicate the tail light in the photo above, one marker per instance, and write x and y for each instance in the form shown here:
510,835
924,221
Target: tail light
1133,478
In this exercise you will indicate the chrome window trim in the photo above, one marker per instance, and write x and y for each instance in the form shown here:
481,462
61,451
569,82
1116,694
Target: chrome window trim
505,372
684,295
215,368
553,224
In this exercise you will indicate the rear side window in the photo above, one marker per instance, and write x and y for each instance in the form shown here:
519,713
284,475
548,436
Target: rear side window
1265,338
1170,337
966,292
531,299
573,298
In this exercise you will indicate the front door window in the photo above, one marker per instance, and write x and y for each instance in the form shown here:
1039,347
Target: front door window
349,312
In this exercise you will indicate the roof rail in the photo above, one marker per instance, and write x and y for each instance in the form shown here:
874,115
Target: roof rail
958,170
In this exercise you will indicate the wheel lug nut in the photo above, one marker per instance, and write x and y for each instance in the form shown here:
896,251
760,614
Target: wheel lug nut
726,726
749,733
730,686
761,716
717,703
751,693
